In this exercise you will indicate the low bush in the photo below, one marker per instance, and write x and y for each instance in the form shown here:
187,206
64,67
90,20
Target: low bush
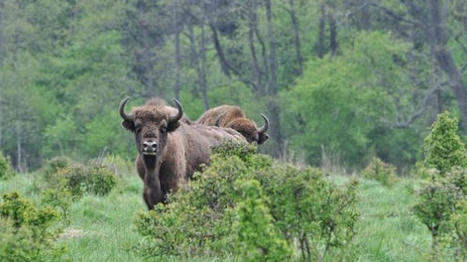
5,168
443,146
419,170
62,174
60,199
441,202
93,179
28,233
458,222
380,171
247,205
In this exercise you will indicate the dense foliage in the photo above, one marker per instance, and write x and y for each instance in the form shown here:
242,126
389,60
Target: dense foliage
62,175
28,233
444,148
441,202
347,79
380,171
5,168
247,205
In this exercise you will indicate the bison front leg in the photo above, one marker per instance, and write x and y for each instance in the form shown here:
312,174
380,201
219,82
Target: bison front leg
152,192
147,200
152,197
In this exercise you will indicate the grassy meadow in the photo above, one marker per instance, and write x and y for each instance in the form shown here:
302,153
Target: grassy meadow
102,228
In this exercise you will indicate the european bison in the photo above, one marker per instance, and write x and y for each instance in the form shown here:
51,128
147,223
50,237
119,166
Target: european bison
170,149
233,117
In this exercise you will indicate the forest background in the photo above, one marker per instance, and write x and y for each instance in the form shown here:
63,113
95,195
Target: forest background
341,80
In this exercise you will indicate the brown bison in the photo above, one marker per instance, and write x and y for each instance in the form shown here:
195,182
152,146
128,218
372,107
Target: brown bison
233,117
170,149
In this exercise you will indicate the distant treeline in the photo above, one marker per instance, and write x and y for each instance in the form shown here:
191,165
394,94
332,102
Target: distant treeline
341,81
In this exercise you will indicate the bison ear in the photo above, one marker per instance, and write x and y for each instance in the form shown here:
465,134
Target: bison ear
129,125
262,138
173,126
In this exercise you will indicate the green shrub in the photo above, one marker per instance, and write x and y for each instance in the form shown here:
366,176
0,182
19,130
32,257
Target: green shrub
244,202
420,170
458,222
61,174
435,206
5,168
55,164
94,179
380,171
258,237
58,198
443,147
27,233
441,201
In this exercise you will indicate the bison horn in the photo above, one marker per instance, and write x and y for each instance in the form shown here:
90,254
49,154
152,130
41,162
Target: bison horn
122,110
174,119
266,125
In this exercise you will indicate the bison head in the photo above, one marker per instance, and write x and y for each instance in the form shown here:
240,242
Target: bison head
151,124
248,129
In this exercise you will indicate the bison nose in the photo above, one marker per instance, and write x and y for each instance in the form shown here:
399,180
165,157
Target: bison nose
149,146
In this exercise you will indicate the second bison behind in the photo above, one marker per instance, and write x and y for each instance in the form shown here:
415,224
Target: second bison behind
228,116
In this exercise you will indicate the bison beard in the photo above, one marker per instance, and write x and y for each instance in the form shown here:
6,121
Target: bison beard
233,117
170,148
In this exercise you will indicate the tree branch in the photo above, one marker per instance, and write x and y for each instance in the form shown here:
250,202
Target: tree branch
418,113
394,15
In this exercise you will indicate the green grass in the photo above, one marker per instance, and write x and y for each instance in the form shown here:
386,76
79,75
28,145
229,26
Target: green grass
387,229
102,228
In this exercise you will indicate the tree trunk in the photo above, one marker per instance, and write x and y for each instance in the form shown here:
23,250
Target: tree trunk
272,50
226,67
322,24
251,42
332,35
199,61
177,54
366,19
445,60
273,104
18,148
143,54
265,68
298,52
202,76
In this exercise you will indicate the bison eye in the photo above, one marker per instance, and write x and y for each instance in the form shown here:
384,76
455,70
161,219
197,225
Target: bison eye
163,129
137,129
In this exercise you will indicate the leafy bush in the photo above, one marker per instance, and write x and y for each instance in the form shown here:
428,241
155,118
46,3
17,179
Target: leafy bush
55,164
443,147
62,174
259,239
58,198
247,205
94,179
27,233
434,207
459,224
441,201
5,170
380,171
420,170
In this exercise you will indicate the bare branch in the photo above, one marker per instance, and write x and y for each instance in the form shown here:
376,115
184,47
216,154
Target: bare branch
418,113
394,15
